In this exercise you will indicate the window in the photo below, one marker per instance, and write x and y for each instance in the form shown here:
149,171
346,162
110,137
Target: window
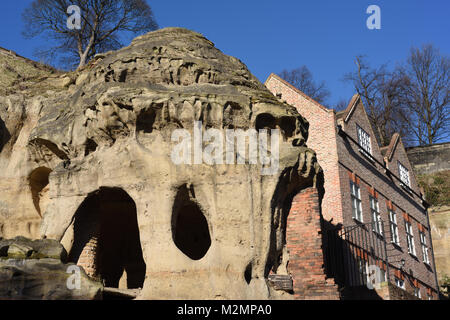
381,272
423,243
400,283
417,292
382,275
356,201
404,175
394,226
410,238
376,216
364,140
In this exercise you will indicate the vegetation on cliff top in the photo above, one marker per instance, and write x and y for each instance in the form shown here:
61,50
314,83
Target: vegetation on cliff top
19,73
437,188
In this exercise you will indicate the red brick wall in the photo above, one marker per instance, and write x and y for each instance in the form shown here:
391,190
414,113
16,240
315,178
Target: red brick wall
338,158
372,175
304,243
88,257
321,138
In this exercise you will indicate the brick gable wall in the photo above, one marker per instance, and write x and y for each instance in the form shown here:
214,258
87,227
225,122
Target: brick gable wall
321,138
339,158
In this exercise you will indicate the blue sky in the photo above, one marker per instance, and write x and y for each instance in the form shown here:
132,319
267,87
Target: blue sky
268,36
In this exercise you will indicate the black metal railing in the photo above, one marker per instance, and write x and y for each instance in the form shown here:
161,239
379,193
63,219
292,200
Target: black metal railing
357,254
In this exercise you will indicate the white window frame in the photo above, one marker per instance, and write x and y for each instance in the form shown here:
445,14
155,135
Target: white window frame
410,238
394,227
403,173
376,215
423,244
355,192
400,283
382,274
364,140
417,293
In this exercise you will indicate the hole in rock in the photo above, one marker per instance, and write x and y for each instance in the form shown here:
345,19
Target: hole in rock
190,230
5,136
248,273
90,147
146,120
107,241
39,188
265,121
287,125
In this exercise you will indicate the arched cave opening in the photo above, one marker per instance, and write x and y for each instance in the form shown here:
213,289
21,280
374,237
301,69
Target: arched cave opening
190,229
265,121
39,188
106,239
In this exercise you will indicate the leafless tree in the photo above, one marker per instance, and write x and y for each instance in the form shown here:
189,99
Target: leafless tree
102,23
341,105
302,79
426,94
380,91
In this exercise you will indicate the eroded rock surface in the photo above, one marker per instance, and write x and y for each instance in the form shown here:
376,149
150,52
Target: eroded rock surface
94,161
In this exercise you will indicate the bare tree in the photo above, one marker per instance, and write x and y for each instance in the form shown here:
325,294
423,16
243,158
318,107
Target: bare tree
380,91
426,94
102,22
302,79
341,105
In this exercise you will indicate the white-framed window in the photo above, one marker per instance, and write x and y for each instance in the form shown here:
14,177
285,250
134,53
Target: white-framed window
364,140
417,292
356,201
404,174
394,226
376,216
400,283
410,238
423,244
382,275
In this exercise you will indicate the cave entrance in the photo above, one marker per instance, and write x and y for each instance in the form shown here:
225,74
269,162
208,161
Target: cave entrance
106,239
39,188
190,229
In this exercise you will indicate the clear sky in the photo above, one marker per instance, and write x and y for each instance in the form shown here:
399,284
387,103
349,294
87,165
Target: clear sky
268,35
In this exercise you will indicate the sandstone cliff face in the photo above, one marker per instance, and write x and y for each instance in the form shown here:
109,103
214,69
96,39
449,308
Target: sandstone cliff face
440,231
88,163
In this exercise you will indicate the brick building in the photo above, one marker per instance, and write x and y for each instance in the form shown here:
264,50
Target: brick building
374,219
